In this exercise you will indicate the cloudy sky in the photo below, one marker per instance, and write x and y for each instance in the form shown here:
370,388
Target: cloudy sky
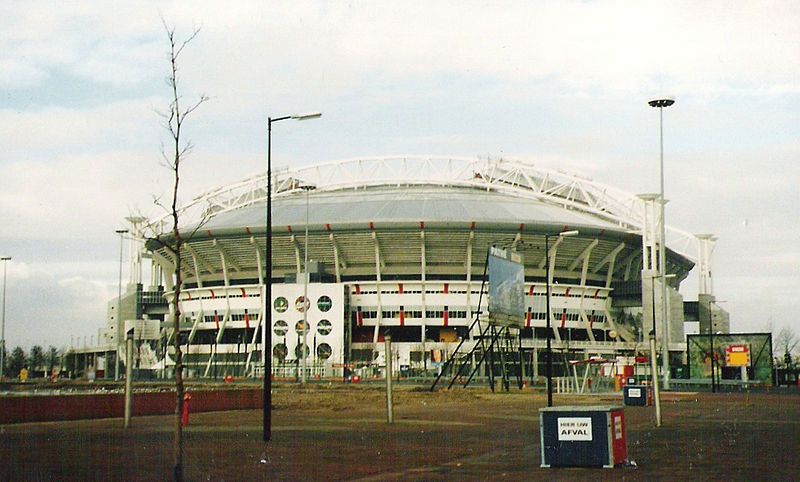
560,84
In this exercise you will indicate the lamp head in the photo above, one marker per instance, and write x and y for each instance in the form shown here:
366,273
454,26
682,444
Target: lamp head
661,101
310,115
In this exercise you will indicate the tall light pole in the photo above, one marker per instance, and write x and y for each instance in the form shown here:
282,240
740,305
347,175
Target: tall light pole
547,309
306,303
266,326
118,335
660,103
5,260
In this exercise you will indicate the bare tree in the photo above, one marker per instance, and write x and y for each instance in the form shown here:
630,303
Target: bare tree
786,340
174,119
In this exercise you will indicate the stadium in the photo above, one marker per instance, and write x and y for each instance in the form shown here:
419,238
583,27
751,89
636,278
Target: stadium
397,246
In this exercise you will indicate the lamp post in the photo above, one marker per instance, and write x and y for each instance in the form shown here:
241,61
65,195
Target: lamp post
266,326
5,260
121,233
547,308
660,103
306,303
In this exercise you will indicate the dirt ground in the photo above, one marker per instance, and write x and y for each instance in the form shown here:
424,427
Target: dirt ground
340,433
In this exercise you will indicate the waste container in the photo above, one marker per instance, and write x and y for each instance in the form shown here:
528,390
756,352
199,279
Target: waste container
583,436
636,395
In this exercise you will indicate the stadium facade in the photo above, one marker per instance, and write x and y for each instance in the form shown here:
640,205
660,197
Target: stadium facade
364,248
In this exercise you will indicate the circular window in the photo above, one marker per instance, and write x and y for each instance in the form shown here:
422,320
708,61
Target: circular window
301,304
299,327
281,304
324,303
324,351
298,351
279,351
281,327
324,327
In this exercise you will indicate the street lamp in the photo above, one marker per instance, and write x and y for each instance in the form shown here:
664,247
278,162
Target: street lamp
5,260
547,299
660,103
118,335
306,303
266,326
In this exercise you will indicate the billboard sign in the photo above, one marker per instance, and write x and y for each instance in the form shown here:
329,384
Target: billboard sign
730,352
506,287
737,356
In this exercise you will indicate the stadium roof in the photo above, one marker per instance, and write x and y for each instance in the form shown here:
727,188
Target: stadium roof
399,194
390,206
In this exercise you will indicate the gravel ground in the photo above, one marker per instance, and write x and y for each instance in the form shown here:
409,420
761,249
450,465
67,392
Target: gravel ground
339,432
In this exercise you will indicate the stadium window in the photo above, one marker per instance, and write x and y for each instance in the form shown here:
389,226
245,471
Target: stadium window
281,304
324,351
324,303
281,327
324,327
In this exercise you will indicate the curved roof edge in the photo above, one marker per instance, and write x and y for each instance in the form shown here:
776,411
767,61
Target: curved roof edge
512,177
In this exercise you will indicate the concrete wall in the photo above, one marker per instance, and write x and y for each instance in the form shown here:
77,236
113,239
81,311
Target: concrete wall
44,408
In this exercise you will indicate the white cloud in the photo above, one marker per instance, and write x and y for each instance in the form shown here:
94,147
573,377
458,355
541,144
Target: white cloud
552,82
45,307
618,46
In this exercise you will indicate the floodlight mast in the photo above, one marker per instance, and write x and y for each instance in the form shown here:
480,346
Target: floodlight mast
659,103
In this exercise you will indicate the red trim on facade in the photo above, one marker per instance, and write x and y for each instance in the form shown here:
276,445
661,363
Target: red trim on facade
358,289
446,288
446,317
400,288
